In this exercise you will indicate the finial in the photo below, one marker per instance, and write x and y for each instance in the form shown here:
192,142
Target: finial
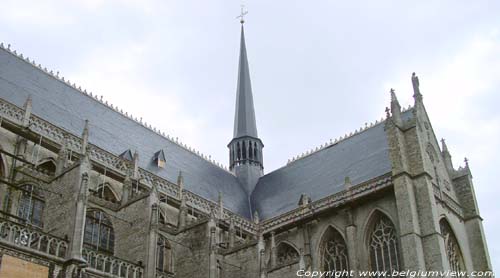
393,95
387,112
85,137
242,15
256,218
443,145
466,162
416,87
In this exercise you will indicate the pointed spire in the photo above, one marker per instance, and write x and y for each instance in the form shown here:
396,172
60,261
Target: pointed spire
180,183
395,108
256,218
443,145
232,232
27,111
85,137
221,207
446,156
127,188
62,156
135,162
244,119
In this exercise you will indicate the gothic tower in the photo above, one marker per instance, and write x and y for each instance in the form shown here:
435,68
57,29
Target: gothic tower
245,149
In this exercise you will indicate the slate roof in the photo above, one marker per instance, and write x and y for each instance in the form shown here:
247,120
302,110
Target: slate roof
62,105
362,157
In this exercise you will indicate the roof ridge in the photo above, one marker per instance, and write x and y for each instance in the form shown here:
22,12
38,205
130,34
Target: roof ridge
333,142
340,139
100,100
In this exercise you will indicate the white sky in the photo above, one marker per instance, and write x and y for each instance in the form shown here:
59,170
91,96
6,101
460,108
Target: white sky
319,69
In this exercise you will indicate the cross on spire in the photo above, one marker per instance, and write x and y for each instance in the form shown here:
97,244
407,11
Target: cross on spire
242,14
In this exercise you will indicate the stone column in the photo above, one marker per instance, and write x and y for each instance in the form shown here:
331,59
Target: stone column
212,256
273,250
307,245
152,243
232,232
352,243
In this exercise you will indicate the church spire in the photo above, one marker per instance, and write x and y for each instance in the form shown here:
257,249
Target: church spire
244,118
245,149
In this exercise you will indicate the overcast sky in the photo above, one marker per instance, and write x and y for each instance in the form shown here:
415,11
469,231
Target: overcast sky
319,69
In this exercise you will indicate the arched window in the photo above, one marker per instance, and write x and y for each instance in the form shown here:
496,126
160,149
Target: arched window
164,258
31,205
286,254
250,150
383,245
453,252
99,234
244,150
333,251
238,151
104,191
255,151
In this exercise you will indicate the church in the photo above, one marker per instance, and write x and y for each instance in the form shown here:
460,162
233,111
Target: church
88,190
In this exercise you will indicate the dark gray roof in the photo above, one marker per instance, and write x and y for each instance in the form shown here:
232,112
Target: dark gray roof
244,117
362,157
67,108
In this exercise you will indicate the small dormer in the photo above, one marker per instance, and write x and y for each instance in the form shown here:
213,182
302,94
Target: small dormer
127,155
159,159
47,165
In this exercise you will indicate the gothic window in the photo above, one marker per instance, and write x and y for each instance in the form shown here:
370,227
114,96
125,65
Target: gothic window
244,150
286,254
99,234
238,151
453,252
255,151
250,150
31,205
383,245
104,191
164,259
334,251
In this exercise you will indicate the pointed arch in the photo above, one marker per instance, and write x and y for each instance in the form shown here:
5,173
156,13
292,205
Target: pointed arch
255,151
99,234
453,251
250,150
164,255
244,150
382,242
286,253
47,165
333,251
31,204
238,151
105,191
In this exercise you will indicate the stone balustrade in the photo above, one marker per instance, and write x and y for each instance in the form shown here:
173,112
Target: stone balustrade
103,263
24,236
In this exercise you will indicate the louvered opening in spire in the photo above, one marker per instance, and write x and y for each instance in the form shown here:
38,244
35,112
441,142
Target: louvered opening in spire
244,119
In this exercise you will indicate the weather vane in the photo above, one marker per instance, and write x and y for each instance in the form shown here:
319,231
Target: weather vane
242,15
